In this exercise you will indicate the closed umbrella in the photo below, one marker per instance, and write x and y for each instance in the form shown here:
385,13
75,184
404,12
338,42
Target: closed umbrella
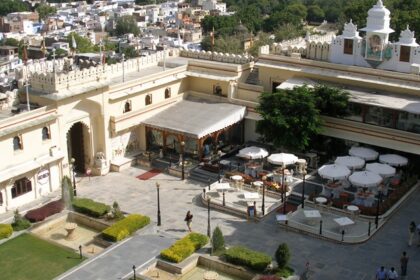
334,171
282,159
364,153
393,159
382,169
350,161
253,153
365,179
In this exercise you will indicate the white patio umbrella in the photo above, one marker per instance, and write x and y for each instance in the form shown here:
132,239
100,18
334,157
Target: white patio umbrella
364,153
365,179
334,171
282,159
253,153
382,169
393,159
350,162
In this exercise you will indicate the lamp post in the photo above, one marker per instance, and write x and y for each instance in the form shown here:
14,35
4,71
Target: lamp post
377,206
263,198
283,190
208,217
219,155
303,186
73,167
159,220
134,272
182,160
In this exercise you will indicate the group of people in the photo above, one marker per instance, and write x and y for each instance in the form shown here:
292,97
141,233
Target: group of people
391,274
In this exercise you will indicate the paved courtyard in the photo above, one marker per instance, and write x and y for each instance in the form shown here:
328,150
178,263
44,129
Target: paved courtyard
327,260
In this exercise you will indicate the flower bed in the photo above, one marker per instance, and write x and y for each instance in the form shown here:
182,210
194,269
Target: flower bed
45,211
90,207
249,258
125,227
184,247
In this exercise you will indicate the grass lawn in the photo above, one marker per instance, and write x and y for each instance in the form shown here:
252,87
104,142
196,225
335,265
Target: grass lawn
28,257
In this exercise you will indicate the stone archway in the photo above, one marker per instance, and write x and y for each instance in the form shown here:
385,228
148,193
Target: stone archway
78,140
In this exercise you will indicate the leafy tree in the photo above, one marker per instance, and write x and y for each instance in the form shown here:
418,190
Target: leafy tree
331,101
218,241
10,42
45,10
10,6
289,118
251,17
130,52
223,44
126,25
288,31
19,222
67,192
315,14
282,255
83,43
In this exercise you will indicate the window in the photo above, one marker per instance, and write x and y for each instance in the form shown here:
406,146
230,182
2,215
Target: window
405,53
17,143
45,133
217,90
167,93
348,46
127,107
21,187
1,198
148,99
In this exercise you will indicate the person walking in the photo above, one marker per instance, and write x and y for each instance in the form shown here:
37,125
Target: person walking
188,220
392,274
381,273
404,263
411,232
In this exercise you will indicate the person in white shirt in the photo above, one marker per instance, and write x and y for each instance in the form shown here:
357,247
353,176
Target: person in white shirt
392,274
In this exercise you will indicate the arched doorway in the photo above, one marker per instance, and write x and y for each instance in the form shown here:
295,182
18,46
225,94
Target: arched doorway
76,145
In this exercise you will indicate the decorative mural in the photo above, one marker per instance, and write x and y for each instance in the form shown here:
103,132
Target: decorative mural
124,144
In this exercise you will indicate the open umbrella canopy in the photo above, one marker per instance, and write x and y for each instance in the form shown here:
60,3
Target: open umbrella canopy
282,159
365,179
393,159
364,153
382,169
350,162
334,171
253,153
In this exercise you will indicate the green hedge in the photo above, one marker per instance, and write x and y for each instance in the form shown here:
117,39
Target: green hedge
246,257
125,227
90,207
184,247
5,230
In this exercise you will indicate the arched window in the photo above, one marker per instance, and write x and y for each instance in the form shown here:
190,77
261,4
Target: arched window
17,143
1,198
148,99
127,106
21,187
167,93
45,133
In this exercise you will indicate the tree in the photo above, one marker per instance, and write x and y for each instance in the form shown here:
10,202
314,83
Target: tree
10,6
127,25
84,44
130,52
331,101
67,192
223,44
282,255
289,118
59,53
10,42
315,14
45,10
218,241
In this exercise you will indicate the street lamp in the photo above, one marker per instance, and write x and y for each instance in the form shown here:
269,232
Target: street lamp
283,193
303,186
377,206
134,272
263,193
219,155
159,221
208,217
73,167
182,159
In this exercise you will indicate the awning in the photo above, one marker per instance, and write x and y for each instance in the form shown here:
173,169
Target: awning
196,119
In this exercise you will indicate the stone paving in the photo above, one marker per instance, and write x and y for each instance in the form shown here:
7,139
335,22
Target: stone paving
327,260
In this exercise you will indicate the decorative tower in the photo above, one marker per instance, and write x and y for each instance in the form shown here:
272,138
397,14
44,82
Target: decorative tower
377,33
407,44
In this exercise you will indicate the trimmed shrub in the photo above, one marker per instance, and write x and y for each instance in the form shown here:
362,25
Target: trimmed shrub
90,207
125,227
6,231
19,222
45,211
184,247
249,258
218,240
282,255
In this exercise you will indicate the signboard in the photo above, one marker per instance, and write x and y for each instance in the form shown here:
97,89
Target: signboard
43,176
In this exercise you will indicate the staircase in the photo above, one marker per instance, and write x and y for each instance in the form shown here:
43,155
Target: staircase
253,77
200,175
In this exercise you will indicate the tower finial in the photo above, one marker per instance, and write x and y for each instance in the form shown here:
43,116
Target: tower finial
379,3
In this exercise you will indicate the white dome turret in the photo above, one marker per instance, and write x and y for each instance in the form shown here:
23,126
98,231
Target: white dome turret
378,19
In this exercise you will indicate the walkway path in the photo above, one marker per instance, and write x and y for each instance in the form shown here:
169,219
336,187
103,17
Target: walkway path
327,260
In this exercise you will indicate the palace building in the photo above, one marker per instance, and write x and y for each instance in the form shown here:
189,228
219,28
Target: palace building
104,116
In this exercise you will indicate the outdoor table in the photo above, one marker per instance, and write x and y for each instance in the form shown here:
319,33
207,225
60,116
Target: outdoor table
257,185
343,222
353,209
321,200
251,195
221,186
238,179
312,216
